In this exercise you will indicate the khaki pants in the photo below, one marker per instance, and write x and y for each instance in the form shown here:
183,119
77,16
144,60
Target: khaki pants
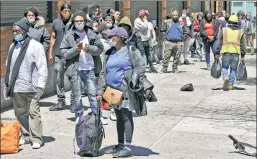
27,111
249,39
171,49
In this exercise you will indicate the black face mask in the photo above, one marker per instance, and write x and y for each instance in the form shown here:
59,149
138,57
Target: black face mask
226,18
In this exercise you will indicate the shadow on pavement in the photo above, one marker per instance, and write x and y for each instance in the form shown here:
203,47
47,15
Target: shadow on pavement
136,151
204,68
48,139
235,88
250,81
46,104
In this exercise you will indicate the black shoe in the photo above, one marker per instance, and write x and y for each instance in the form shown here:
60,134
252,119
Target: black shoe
153,69
113,150
186,62
123,152
164,70
57,107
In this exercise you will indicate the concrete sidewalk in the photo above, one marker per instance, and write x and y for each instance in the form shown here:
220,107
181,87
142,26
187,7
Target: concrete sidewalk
181,125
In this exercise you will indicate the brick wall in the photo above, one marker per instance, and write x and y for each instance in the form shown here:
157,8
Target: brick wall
6,41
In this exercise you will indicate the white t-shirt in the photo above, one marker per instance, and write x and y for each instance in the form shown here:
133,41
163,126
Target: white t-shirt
86,61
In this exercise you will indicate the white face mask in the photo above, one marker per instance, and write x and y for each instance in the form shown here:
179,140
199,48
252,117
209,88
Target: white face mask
31,20
95,29
184,15
109,25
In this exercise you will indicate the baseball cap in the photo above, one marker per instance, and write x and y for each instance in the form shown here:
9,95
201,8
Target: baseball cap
118,31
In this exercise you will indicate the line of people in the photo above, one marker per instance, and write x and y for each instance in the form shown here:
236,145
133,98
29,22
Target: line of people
95,51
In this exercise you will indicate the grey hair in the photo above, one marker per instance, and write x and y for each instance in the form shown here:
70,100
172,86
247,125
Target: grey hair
175,11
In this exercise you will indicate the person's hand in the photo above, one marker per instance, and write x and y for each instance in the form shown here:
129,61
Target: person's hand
242,58
85,48
217,57
79,47
99,98
50,58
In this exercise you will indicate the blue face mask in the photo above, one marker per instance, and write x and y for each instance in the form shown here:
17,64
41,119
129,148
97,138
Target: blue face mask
111,43
79,26
18,37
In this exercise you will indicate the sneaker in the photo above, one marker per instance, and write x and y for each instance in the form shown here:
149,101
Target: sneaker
36,145
77,120
164,70
209,67
123,152
113,150
225,85
113,115
23,142
174,70
104,122
57,107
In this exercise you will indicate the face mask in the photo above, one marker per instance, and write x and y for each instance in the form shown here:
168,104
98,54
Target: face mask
31,20
79,26
18,37
109,25
200,18
248,17
184,15
111,43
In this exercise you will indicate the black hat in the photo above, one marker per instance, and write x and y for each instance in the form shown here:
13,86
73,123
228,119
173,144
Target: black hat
23,23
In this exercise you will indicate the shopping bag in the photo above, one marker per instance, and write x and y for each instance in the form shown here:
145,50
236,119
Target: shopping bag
216,69
241,72
10,133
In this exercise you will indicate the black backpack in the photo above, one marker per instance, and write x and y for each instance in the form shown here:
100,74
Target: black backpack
89,133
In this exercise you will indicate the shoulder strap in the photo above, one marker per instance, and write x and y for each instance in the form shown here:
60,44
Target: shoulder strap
9,58
130,50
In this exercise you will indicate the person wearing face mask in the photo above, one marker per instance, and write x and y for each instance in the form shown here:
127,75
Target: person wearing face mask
241,20
25,80
209,29
189,36
60,27
249,31
198,39
174,32
109,21
123,70
141,31
37,30
81,47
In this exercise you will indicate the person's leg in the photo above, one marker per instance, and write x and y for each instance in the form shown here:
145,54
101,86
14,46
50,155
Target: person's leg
225,67
187,51
21,111
207,53
167,56
35,122
176,51
234,59
59,73
251,43
127,119
91,86
198,47
77,105
148,56
141,48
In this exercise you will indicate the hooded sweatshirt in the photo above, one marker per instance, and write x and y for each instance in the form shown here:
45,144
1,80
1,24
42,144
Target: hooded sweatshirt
132,38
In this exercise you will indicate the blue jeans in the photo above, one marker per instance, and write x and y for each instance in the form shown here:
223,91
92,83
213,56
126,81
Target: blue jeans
88,78
230,61
207,48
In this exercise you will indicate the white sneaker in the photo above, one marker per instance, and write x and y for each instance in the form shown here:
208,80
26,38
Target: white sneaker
23,142
104,122
36,145
113,115
77,120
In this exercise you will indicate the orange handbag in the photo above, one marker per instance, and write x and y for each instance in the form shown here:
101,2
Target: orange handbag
10,133
112,96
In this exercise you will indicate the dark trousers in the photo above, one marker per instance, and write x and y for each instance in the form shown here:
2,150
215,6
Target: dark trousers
143,47
125,125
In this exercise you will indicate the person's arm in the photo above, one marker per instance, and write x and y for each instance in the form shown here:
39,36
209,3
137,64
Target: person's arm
242,46
216,29
101,86
97,48
154,34
202,31
67,51
52,43
46,40
140,25
219,44
41,64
